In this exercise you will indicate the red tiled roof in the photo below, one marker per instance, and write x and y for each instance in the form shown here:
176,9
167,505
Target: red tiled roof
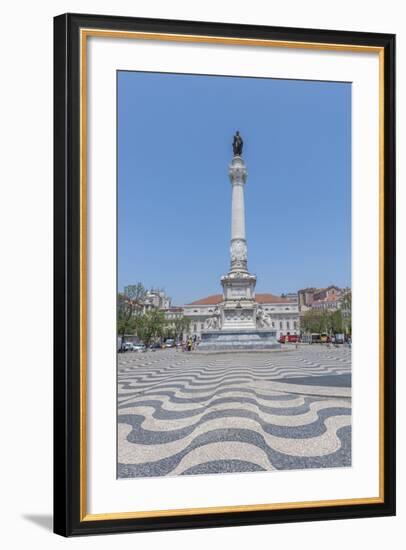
272,299
208,301
260,298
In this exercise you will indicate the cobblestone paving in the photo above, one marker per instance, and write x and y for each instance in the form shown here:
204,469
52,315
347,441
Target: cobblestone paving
185,413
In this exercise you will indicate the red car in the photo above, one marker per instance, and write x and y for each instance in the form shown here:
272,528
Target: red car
289,338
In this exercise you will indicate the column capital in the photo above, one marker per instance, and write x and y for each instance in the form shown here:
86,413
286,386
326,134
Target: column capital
237,171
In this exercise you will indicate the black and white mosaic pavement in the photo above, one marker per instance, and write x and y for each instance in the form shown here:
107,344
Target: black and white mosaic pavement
185,413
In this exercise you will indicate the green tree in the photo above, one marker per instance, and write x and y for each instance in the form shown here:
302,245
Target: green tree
312,322
316,321
181,325
129,307
176,328
346,309
136,293
150,326
325,321
126,322
346,300
336,322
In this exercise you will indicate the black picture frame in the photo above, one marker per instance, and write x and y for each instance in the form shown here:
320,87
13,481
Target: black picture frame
68,519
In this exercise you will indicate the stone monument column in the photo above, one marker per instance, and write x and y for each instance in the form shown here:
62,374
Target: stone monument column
238,250
238,322
238,309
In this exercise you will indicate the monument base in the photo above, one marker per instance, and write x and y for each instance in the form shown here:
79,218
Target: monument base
238,340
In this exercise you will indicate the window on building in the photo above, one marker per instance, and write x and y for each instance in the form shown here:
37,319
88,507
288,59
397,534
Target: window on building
194,327
287,325
273,324
280,325
201,326
295,325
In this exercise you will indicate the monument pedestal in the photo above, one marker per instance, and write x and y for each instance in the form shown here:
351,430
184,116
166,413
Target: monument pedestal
238,311
238,340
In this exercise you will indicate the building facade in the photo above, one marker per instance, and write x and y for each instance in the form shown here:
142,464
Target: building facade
283,313
306,298
320,299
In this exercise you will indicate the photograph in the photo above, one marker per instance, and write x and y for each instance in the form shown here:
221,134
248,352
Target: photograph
234,249
224,267
203,198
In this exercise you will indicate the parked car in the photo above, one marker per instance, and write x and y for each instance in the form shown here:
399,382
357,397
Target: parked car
126,346
339,338
155,345
169,343
289,338
131,346
138,347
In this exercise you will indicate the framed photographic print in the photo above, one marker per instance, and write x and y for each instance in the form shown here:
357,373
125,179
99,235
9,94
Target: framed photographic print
224,274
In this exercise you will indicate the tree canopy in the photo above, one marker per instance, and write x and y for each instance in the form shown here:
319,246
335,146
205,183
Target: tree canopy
149,325
324,321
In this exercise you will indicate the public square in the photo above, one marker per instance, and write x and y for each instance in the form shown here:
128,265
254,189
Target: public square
183,413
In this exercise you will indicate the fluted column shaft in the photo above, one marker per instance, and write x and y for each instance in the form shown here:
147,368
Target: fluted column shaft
238,250
237,212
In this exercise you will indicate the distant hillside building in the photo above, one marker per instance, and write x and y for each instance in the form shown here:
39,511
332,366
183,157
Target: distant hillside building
156,298
292,296
329,293
328,298
306,297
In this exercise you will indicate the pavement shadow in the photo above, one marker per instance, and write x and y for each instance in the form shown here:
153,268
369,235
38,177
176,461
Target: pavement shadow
329,380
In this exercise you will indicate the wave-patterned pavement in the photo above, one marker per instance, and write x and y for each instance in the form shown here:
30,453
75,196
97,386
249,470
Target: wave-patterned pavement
189,413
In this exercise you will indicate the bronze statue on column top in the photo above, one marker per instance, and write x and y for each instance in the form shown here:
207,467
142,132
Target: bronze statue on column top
237,144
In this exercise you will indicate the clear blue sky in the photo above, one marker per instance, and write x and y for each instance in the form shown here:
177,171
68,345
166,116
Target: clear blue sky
174,195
